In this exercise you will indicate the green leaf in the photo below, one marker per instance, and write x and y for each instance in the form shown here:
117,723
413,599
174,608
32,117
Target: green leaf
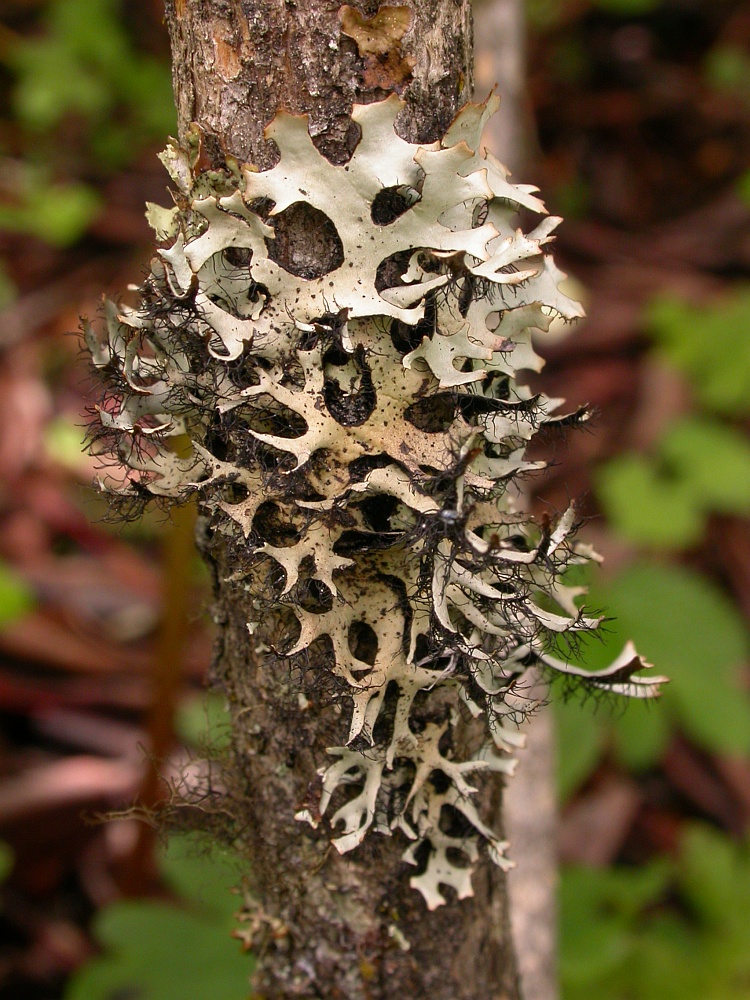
579,742
592,943
16,599
640,733
83,66
626,933
664,964
645,507
59,214
204,722
202,873
713,460
597,908
710,345
715,878
693,634
154,951
157,952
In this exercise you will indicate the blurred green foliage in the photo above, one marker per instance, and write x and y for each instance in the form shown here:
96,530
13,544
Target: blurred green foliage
708,344
545,13
86,101
203,722
662,500
670,931
157,951
664,931
678,619
727,68
84,64
16,598
58,213
701,464
743,187
685,625
627,8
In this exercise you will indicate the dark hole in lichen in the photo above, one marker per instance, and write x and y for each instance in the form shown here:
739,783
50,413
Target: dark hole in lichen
433,414
452,822
500,385
275,419
378,510
383,728
306,242
391,203
422,856
359,468
313,596
422,648
278,626
256,290
390,269
352,542
457,857
234,493
262,207
354,407
363,642
314,665
274,525
441,782
480,214
406,338
334,146
243,371
238,256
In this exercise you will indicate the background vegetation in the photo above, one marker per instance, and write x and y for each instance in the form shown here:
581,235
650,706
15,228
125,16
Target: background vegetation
641,112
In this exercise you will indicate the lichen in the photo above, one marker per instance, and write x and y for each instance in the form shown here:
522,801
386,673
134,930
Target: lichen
354,419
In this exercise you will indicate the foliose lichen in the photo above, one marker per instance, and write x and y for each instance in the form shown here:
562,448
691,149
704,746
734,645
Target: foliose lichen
353,416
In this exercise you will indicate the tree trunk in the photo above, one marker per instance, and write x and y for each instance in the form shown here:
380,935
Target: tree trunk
529,806
329,926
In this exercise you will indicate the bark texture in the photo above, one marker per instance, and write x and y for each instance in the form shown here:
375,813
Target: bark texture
326,926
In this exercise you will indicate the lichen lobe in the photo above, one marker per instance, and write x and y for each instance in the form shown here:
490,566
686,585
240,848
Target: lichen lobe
354,419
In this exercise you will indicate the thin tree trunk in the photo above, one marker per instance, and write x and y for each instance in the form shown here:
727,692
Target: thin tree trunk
529,806
330,927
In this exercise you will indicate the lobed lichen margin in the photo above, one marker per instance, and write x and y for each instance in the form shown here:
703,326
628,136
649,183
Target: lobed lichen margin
354,419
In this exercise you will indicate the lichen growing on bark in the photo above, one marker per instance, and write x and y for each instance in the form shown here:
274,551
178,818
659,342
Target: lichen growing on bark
354,415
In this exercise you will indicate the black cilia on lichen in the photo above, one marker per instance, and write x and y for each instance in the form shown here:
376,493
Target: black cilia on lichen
355,421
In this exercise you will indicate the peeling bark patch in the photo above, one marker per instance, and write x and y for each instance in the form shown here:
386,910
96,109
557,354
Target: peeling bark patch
227,56
379,34
378,40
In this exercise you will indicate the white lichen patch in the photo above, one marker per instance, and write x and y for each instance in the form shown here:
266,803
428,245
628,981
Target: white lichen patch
350,417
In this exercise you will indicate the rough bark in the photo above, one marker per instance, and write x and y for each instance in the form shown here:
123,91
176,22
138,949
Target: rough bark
329,927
